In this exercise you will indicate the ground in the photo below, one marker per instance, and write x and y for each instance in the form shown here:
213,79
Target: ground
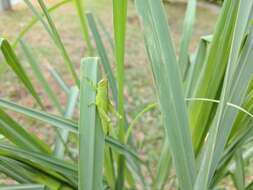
139,89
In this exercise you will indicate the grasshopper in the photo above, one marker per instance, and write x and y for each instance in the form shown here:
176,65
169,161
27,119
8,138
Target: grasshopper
104,106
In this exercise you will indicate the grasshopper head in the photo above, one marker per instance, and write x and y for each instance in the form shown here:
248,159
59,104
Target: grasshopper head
103,83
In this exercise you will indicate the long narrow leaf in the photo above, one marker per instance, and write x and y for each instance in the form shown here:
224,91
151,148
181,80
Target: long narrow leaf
119,20
164,166
84,26
19,136
32,175
91,138
168,81
187,33
23,187
40,115
15,65
197,66
238,174
42,160
60,144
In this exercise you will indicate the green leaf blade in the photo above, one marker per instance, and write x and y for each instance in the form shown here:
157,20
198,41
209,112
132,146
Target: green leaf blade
15,65
169,86
91,138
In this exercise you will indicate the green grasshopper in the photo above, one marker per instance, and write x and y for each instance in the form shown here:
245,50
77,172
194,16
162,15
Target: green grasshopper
104,106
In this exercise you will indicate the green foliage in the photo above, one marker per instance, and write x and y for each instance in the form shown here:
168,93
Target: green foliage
14,63
169,88
205,100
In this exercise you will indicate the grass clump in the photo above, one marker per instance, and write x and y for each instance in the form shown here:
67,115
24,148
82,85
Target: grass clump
204,99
